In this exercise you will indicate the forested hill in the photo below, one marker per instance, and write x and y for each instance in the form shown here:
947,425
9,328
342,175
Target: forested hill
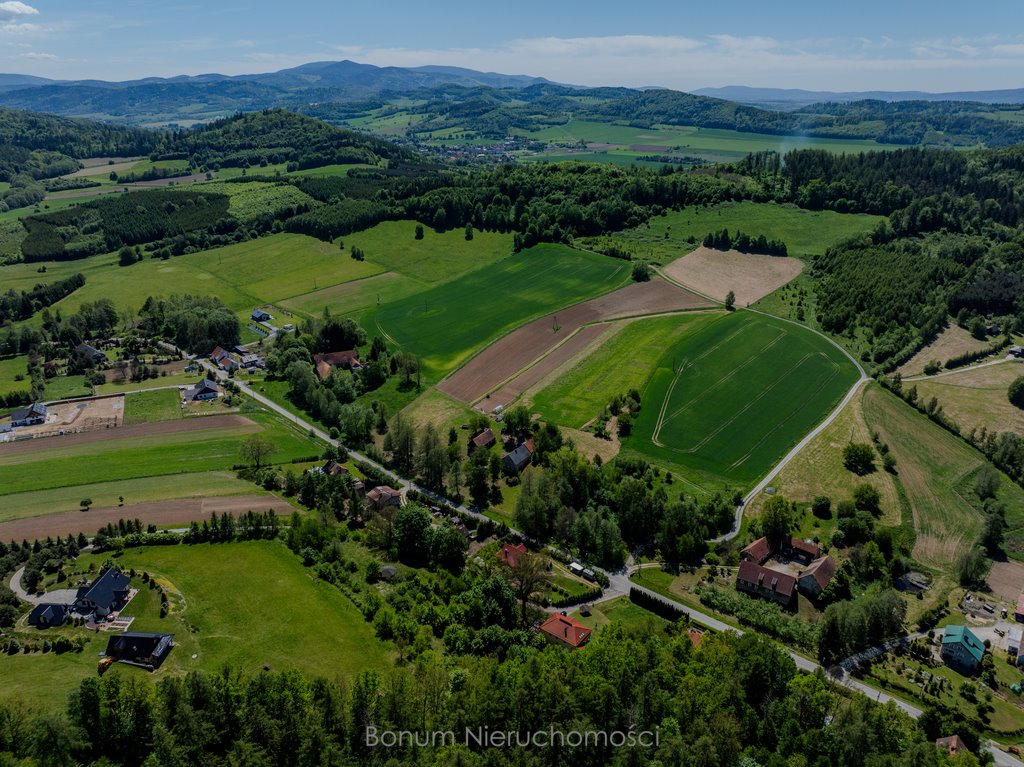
34,147
275,136
72,137
493,112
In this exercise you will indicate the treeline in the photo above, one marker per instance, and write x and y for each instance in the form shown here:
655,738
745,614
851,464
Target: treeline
744,243
21,305
195,323
625,681
68,136
126,219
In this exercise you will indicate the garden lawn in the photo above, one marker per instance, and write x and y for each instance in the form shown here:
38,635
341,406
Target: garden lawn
152,406
727,401
10,368
236,605
65,387
625,361
445,324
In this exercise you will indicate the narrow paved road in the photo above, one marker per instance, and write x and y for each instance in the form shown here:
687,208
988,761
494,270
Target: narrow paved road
620,583
965,369
807,439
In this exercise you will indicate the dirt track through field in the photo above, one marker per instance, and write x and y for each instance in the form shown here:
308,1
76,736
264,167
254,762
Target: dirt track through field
714,273
175,513
534,374
203,423
503,359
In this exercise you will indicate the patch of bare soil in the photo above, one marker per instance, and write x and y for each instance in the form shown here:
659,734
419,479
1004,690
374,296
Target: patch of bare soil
177,513
125,432
515,351
715,272
1006,580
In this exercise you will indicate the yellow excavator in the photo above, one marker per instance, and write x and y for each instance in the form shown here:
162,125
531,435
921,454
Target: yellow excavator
105,662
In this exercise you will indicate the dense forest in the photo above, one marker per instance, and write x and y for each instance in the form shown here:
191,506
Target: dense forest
274,137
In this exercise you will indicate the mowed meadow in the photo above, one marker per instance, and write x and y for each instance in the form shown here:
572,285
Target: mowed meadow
727,401
221,597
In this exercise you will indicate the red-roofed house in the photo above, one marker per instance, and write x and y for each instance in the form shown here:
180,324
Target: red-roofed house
334,469
952,744
383,496
770,584
757,552
802,551
815,579
568,631
510,553
1018,614
483,440
348,359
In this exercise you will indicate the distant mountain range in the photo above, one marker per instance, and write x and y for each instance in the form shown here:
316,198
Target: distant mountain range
795,97
349,75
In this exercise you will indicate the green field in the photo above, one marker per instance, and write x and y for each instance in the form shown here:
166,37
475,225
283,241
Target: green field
582,392
178,378
445,324
152,406
237,605
937,471
199,484
805,232
147,456
726,402
705,144
436,258
10,369
245,275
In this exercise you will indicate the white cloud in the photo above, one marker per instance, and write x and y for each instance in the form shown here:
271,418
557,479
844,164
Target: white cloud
40,56
13,9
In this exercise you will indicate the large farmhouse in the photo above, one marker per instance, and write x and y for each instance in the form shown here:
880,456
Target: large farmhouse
107,594
769,584
962,649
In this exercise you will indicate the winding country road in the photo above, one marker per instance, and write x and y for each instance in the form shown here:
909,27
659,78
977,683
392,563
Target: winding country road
760,486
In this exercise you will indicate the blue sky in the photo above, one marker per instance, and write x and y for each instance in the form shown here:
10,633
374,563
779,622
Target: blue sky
895,45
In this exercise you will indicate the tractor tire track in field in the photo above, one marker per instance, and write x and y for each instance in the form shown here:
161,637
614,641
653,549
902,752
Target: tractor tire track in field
784,421
730,375
655,438
725,424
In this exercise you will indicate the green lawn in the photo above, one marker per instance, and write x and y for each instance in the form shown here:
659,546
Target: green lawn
445,324
727,401
180,378
620,610
200,484
625,361
353,297
435,258
805,232
10,369
152,406
65,387
238,605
